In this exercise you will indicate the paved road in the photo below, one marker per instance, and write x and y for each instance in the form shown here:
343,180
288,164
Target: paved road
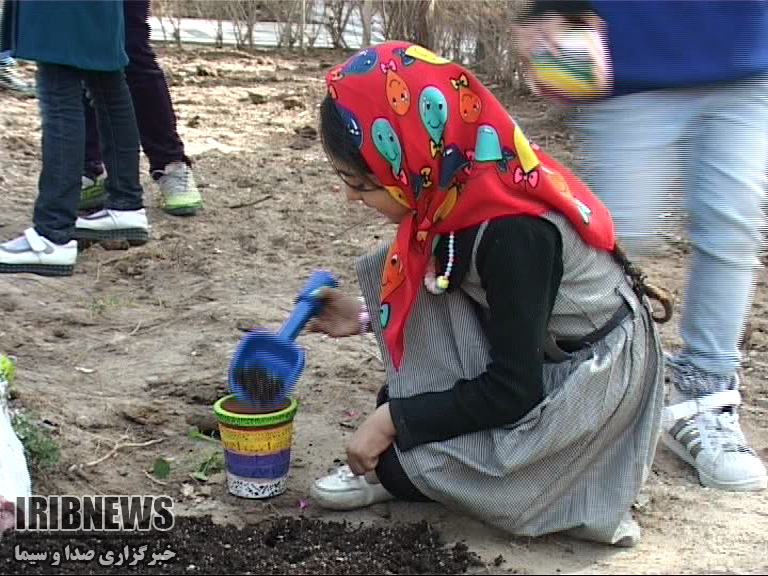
264,33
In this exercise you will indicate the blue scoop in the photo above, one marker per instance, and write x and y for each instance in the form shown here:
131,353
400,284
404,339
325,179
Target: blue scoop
266,366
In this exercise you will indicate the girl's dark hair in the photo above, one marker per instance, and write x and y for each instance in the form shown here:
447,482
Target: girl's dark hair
339,144
641,287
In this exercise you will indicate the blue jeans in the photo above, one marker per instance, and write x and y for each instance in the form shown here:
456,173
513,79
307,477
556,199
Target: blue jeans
707,147
60,92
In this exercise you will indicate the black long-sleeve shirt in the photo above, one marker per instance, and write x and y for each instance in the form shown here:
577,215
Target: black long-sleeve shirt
519,260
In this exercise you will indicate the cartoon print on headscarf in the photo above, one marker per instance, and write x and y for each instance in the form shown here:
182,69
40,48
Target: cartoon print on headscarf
362,63
528,158
398,95
397,193
393,275
433,108
487,188
421,53
404,58
527,170
453,161
507,155
470,105
384,315
559,184
337,74
351,124
426,176
450,201
421,181
388,145
487,144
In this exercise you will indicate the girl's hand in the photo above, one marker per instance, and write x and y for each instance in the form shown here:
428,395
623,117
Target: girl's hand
369,441
340,315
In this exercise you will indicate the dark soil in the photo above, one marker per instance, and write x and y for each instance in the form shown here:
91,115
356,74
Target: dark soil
282,546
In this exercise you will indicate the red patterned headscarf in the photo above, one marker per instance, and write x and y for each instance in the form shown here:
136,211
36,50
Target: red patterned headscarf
443,146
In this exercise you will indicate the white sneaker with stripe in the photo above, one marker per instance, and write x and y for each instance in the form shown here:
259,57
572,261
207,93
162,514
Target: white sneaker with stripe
705,433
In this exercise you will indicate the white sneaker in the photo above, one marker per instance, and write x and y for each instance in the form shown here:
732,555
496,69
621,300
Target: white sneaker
36,254
181,196
343,490
130,225
705,433
10,79
627,534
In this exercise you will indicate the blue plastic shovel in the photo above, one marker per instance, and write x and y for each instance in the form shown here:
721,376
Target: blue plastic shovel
266,366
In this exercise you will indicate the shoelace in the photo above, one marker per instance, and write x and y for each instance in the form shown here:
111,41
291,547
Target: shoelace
345,474
733,439
178,179
724,428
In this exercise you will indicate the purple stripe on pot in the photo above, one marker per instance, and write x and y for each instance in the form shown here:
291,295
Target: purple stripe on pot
269,466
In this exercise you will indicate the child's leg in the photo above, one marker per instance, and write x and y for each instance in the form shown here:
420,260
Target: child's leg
728,154
389,471
61,109
154,109
630,155
391,475
119,139
93,164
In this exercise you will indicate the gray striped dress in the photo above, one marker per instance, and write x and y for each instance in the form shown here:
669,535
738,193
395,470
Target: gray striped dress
576,461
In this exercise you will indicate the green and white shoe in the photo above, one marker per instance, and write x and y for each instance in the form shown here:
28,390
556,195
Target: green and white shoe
92,193
181,196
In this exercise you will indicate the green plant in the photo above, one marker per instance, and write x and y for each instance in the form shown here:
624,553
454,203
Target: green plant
194,433
41,450
214,463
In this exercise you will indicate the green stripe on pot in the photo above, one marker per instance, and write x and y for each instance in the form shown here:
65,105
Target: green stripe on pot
227,415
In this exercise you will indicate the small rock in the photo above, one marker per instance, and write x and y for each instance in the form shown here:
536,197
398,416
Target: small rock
206,71
307,131
291,103
257,98
195,121
83,421
141,415
300,144
205,421
152,380
187,490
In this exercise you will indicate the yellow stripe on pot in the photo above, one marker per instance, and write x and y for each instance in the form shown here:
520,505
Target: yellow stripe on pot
257,439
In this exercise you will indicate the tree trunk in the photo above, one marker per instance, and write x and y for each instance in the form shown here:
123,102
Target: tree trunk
423,23
367,14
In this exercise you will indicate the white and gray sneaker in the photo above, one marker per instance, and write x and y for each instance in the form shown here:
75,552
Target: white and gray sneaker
181,196
36,254
10,79
130,225
705,433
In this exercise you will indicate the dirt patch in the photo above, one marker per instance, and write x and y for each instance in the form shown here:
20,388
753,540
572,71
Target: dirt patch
282,546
